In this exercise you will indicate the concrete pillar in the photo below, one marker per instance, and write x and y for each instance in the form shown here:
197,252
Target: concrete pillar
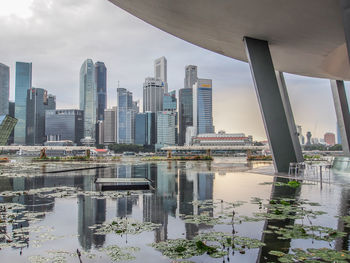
290,117
342,111
271,104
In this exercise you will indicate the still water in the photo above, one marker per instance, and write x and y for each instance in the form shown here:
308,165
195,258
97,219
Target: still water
46,214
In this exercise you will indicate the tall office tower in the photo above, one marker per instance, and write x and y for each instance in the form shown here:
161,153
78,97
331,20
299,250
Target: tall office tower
203,106
190,76
300,135
160,72
110,126
145,128
153,94
166,128
136,106
125,117
11,114
61,125
101,87
88,97
329,138
170,101
23,83
38,101
308,138
185,112
4,89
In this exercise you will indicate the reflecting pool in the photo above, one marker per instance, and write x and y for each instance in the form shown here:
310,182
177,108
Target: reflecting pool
220,211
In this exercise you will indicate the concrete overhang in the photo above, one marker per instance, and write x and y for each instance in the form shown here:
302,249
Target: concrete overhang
306,36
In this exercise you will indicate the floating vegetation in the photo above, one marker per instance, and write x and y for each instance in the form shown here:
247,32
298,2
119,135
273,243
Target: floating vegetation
204,218
292,183
346,220
59,256
117,253
125,225
313,255
178,248
299,231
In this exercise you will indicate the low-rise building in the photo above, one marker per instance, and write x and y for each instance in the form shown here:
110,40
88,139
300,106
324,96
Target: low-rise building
222,139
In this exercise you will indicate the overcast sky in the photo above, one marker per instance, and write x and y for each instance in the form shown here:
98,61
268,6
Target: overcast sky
58,35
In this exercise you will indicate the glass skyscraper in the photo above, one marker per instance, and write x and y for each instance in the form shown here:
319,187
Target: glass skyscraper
185,113
4,89
125,117
190,76
38,101
101,87
203,106
153,95
169,101
160,72
23,83
88,97
63,125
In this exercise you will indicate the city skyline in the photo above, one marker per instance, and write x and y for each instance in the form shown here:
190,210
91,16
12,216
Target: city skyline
129,63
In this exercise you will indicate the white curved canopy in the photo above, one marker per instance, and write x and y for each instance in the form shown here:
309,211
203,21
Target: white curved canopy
306,36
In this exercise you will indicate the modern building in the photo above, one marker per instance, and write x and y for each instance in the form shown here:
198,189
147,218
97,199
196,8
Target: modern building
145,128
203,106
160,72
170,101
300,135
185,112
99,132
7,124
191,132
101,88
166,128
11,114
308,138
153,94
38,101
22,84
191,76
88,97
125,117
329,138
110,126
64,125
222,139
4,89
136,106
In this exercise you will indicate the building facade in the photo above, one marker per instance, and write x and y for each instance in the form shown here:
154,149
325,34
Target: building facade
153,94
101,88
12,114
191,76
203,106
125,117
4,89
166,128
22,84
160,72
222,139
145,128
170,101
63,125
185,113
38,101
329,138
110,126
88,97
7,124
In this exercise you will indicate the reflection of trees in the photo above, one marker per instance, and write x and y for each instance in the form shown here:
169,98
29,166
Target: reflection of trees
271,239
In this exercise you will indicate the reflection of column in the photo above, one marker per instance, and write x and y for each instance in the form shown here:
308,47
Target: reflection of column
271,239
344,243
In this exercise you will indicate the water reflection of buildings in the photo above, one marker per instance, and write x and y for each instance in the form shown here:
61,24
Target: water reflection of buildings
194,186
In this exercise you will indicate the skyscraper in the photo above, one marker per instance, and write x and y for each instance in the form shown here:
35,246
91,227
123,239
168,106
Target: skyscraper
308,138
166,128
170,101
4,89
23,83
160,72
153,93
185,112
64,125
88,97
141,128
38,101
110,126
125,117
190,76
203,106
101,87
